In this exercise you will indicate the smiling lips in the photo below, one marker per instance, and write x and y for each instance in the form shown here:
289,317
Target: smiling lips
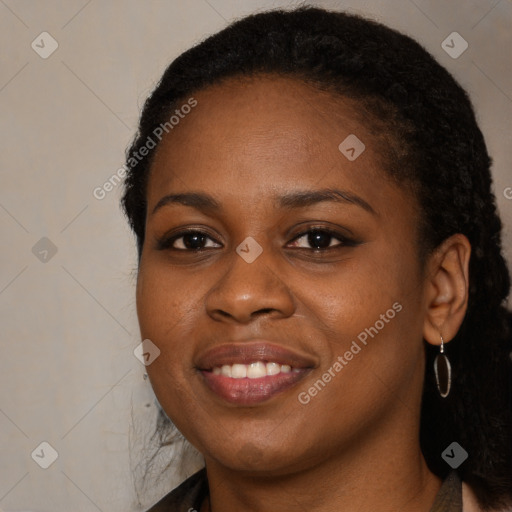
251,372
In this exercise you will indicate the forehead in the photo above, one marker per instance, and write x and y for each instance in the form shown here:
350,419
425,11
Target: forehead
246,133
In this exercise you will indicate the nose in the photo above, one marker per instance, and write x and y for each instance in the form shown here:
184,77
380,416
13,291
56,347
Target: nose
249,290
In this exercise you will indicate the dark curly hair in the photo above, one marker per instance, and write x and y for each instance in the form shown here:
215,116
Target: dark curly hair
439,152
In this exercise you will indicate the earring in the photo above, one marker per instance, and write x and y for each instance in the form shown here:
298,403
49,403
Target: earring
443,372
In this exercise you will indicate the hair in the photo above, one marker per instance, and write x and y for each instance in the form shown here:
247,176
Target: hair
443,158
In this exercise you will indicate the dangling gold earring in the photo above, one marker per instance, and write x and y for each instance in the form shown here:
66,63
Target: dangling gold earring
443,372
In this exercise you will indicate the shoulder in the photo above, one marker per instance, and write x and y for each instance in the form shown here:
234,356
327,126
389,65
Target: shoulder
470,502
186,497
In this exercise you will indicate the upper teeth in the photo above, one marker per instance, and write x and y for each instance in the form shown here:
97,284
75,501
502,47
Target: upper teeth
254,370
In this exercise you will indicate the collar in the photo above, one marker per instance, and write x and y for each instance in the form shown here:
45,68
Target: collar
449,497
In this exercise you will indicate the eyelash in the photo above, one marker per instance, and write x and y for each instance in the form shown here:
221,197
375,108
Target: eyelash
166,243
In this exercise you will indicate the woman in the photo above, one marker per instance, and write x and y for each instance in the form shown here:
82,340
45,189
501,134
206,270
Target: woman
320,269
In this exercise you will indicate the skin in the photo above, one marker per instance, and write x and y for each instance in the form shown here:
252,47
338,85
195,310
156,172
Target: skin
355,445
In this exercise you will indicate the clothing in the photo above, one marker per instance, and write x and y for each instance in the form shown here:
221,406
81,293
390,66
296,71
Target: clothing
453,496
189,495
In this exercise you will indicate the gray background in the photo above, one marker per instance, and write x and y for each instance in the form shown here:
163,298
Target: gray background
68,375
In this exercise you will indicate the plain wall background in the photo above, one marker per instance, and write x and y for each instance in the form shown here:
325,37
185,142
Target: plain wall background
68,375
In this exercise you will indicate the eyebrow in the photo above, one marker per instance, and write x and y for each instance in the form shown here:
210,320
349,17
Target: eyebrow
299,199
305,198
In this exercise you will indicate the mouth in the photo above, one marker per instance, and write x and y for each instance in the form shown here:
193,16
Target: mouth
252,372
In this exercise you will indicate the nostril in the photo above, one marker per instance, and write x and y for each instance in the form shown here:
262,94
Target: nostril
263,311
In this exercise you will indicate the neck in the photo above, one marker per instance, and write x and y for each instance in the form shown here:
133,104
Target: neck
328,490
385,471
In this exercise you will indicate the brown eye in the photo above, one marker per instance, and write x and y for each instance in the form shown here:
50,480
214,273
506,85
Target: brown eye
191,240
321,239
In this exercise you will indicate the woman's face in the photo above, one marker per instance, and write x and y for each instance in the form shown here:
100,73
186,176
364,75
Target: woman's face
302,271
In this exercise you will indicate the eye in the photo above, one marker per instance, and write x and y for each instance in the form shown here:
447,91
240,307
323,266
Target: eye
321,239
316,239
189,240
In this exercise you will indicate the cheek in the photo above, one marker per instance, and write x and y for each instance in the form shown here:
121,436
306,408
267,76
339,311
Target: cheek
166,313
354,295
370,313
166,297
166,308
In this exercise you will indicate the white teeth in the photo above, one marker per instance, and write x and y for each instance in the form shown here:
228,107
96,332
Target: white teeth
273,368
254,370
226,370
239,371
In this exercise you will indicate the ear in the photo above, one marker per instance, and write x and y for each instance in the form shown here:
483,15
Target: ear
446,289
